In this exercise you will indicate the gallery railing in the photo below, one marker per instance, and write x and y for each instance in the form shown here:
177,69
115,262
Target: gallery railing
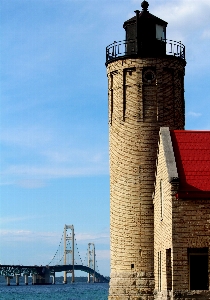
131,48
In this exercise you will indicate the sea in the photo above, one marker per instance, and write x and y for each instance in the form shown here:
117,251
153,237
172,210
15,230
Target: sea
58,291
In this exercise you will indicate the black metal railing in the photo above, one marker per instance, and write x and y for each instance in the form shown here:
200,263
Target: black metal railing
175,48
131,48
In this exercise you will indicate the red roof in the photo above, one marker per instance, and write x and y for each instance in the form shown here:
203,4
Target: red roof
192,155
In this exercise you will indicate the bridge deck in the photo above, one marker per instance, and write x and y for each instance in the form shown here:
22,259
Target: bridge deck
12,270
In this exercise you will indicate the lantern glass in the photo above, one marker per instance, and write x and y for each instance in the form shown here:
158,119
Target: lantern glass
160,32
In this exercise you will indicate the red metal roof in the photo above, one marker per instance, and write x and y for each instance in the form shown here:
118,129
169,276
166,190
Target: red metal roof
192,155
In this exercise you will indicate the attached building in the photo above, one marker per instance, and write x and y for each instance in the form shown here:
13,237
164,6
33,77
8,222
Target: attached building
182,215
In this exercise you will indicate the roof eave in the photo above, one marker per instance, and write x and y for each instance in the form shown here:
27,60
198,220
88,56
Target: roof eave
173,176
146,15
193,195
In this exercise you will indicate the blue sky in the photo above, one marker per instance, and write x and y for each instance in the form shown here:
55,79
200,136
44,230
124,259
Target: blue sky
53,119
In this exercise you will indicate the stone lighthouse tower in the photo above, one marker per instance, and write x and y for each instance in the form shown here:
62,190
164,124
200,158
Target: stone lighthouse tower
146,91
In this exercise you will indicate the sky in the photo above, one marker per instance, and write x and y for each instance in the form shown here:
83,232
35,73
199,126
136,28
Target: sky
53,115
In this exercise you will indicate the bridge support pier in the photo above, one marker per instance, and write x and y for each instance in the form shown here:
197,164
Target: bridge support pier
8,279
17,279
65,277
72,276
89,278
34,276
42,276
53,278
26,279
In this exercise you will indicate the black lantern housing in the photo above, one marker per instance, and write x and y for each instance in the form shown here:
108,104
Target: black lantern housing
145,34
145,37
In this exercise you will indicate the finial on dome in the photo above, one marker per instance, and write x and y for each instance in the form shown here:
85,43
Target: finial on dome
144,5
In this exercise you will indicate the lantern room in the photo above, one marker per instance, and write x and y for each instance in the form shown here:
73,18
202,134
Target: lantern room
145,37
148,32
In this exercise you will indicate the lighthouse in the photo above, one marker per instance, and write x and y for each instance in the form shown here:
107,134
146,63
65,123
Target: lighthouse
145,92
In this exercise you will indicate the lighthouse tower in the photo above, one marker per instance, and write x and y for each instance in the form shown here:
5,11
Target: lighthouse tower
146,91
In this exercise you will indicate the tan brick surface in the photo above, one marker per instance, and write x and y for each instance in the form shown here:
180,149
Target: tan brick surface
137,109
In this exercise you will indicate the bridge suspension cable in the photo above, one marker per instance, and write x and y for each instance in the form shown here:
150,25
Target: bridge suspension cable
56,255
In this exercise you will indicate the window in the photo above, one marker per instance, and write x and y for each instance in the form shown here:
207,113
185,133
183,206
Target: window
168,269
127,87
160,32
111,100
161,199
159,271
198,268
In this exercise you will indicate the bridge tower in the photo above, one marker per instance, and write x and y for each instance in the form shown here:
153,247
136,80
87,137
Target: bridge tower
68,249
91,259
145,91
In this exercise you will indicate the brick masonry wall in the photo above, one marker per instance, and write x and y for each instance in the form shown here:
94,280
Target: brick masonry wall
162,220
191,229
137,109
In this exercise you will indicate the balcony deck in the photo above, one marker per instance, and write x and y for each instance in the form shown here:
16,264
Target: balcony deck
130,48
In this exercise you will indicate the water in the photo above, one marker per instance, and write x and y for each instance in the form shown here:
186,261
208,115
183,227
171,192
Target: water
75,291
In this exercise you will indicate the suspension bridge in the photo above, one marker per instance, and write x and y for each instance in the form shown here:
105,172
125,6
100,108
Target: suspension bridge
67,259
